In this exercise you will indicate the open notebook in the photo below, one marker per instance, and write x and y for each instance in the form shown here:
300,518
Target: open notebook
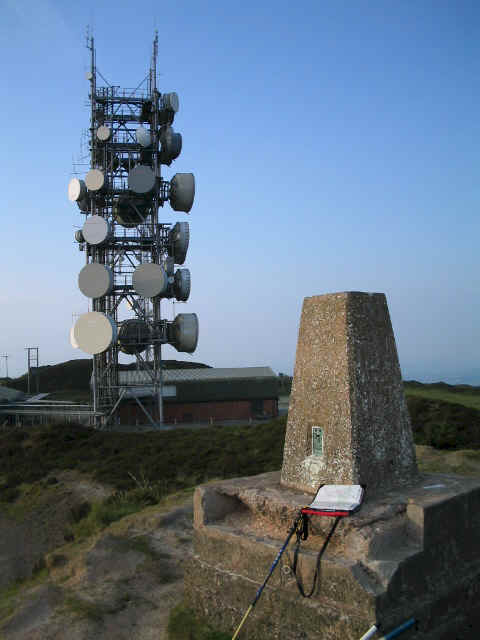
336,499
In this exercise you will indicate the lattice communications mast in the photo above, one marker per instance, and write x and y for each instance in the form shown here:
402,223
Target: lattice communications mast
130,255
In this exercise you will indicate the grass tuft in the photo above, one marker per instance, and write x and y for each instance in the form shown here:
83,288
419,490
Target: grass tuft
183,624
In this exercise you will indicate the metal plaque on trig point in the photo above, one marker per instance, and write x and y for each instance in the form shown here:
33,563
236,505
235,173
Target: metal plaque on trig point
317,441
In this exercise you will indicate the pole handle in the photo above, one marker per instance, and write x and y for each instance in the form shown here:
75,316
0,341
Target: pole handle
370,633
247,613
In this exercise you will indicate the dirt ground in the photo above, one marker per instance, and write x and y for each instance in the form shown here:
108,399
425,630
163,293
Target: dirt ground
120,583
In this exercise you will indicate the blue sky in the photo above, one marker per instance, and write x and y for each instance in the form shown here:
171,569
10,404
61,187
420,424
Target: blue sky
334,145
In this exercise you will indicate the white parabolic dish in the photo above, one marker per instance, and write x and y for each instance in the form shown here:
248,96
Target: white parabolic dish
77,190
104,133
94,332
149,280
95,280
96,230
73,342
94,180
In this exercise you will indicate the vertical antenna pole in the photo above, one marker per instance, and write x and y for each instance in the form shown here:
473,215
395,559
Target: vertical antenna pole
30,357
94,389
6,364
93,89
157,171
38,382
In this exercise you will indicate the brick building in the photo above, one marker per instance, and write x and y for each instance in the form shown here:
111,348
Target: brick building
201,395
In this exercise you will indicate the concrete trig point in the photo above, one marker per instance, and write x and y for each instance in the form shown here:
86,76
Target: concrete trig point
348,422
412,550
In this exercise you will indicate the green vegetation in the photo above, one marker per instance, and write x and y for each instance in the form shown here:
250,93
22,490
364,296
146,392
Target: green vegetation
444,425
88,519
177,459
464,395
284,384
183,624
171,460
8,596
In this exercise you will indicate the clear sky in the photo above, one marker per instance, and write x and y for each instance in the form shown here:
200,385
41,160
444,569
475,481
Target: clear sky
335,147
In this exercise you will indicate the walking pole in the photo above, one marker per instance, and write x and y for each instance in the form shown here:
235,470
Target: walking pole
396,632
391,634
370,633
272,569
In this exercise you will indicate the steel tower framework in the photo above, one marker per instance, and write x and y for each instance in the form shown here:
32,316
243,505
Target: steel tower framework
135,236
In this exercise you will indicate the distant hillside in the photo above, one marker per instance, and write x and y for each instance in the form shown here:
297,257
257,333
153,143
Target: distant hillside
442,386
445,425
74,375
463,394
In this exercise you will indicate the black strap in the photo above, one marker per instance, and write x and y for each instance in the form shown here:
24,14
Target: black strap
300,536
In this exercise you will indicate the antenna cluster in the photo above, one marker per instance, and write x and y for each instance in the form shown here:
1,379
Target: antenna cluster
130,256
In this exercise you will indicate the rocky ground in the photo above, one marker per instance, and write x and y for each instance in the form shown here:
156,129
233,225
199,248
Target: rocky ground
120,583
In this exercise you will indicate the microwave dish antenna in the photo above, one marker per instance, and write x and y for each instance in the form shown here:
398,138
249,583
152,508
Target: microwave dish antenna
182,191
133,336
73,342
104,133
171,145
95,332
96,230
182,284
179,239
171,101
77,190
149,280
141,179
95,280
95,180
185,332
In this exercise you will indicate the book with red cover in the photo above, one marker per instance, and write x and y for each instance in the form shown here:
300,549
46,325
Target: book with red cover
336,500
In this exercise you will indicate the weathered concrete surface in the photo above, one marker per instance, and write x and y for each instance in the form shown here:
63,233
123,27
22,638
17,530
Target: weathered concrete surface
347,381
409,552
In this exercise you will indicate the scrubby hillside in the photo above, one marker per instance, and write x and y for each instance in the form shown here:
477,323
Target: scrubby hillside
109,542
74,375
445,425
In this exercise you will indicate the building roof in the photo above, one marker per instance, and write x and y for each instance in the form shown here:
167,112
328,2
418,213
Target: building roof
197,375
204,385
9,395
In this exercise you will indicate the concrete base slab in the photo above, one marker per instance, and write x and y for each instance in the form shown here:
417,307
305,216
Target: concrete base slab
409,552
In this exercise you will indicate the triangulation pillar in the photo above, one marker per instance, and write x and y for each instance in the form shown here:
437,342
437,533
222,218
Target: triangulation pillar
411,551
348,421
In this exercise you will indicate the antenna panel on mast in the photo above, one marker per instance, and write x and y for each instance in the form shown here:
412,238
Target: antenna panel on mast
182,191
95,332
